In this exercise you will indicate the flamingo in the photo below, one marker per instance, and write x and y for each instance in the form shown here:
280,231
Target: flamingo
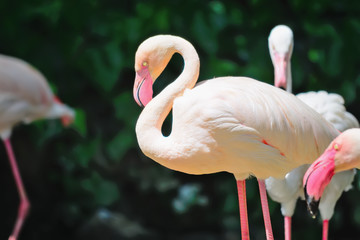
24,97
342,154
331,107
232,124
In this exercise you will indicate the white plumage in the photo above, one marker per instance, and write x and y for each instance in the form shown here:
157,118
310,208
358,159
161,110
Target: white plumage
287,191
331,106
341,182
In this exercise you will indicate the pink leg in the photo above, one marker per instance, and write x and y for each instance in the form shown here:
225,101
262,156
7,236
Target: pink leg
265,209
241,186
325,229
24,202
287,226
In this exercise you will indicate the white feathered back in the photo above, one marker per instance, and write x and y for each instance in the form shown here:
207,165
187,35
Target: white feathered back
331,107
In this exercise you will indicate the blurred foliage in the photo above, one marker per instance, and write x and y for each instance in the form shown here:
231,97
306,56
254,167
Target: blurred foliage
91,181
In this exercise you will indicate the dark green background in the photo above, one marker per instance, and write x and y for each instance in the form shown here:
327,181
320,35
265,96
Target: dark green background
91,181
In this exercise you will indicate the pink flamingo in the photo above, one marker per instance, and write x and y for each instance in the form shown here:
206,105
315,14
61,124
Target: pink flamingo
233,124
342,154
24,97
331,107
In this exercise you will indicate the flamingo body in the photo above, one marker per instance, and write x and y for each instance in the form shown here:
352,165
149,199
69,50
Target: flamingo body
236,117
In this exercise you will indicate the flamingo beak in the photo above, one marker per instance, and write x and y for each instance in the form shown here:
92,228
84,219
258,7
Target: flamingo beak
280,71
317,177
143,91
67,120
312,204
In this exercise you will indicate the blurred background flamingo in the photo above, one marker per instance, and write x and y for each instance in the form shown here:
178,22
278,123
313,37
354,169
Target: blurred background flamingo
25,97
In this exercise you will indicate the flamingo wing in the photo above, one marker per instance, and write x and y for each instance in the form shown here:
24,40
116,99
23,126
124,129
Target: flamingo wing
255,125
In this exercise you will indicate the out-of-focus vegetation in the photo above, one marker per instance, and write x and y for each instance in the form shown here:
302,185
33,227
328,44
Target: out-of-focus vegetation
91,181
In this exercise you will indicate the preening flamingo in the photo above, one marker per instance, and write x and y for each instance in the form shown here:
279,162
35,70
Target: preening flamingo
342,154
233,124
24,97
331,107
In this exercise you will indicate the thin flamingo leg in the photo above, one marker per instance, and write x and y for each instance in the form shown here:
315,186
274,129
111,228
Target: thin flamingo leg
241,186
24,202
325,229
265,209
287,226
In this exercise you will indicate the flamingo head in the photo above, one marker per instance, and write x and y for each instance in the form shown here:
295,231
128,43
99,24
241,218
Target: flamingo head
67,114
151,59
342,154
281,43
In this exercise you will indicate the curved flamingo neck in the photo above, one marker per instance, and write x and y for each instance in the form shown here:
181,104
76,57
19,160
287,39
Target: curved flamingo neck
288,78
148,128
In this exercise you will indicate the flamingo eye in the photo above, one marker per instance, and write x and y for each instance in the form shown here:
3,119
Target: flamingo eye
336,147
145,64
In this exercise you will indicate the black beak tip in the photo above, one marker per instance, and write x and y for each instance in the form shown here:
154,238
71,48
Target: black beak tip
313,207
312,204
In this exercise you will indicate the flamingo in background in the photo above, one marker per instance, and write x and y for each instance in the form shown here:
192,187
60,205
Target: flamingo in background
24,97
331,107
233,124
342,154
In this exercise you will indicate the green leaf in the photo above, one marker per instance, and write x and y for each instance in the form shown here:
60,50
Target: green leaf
50,10
204,34
121,143
314,55
126,109
80,122
104,192
222,67
231,203
82,154
349,92
162,19
105,65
